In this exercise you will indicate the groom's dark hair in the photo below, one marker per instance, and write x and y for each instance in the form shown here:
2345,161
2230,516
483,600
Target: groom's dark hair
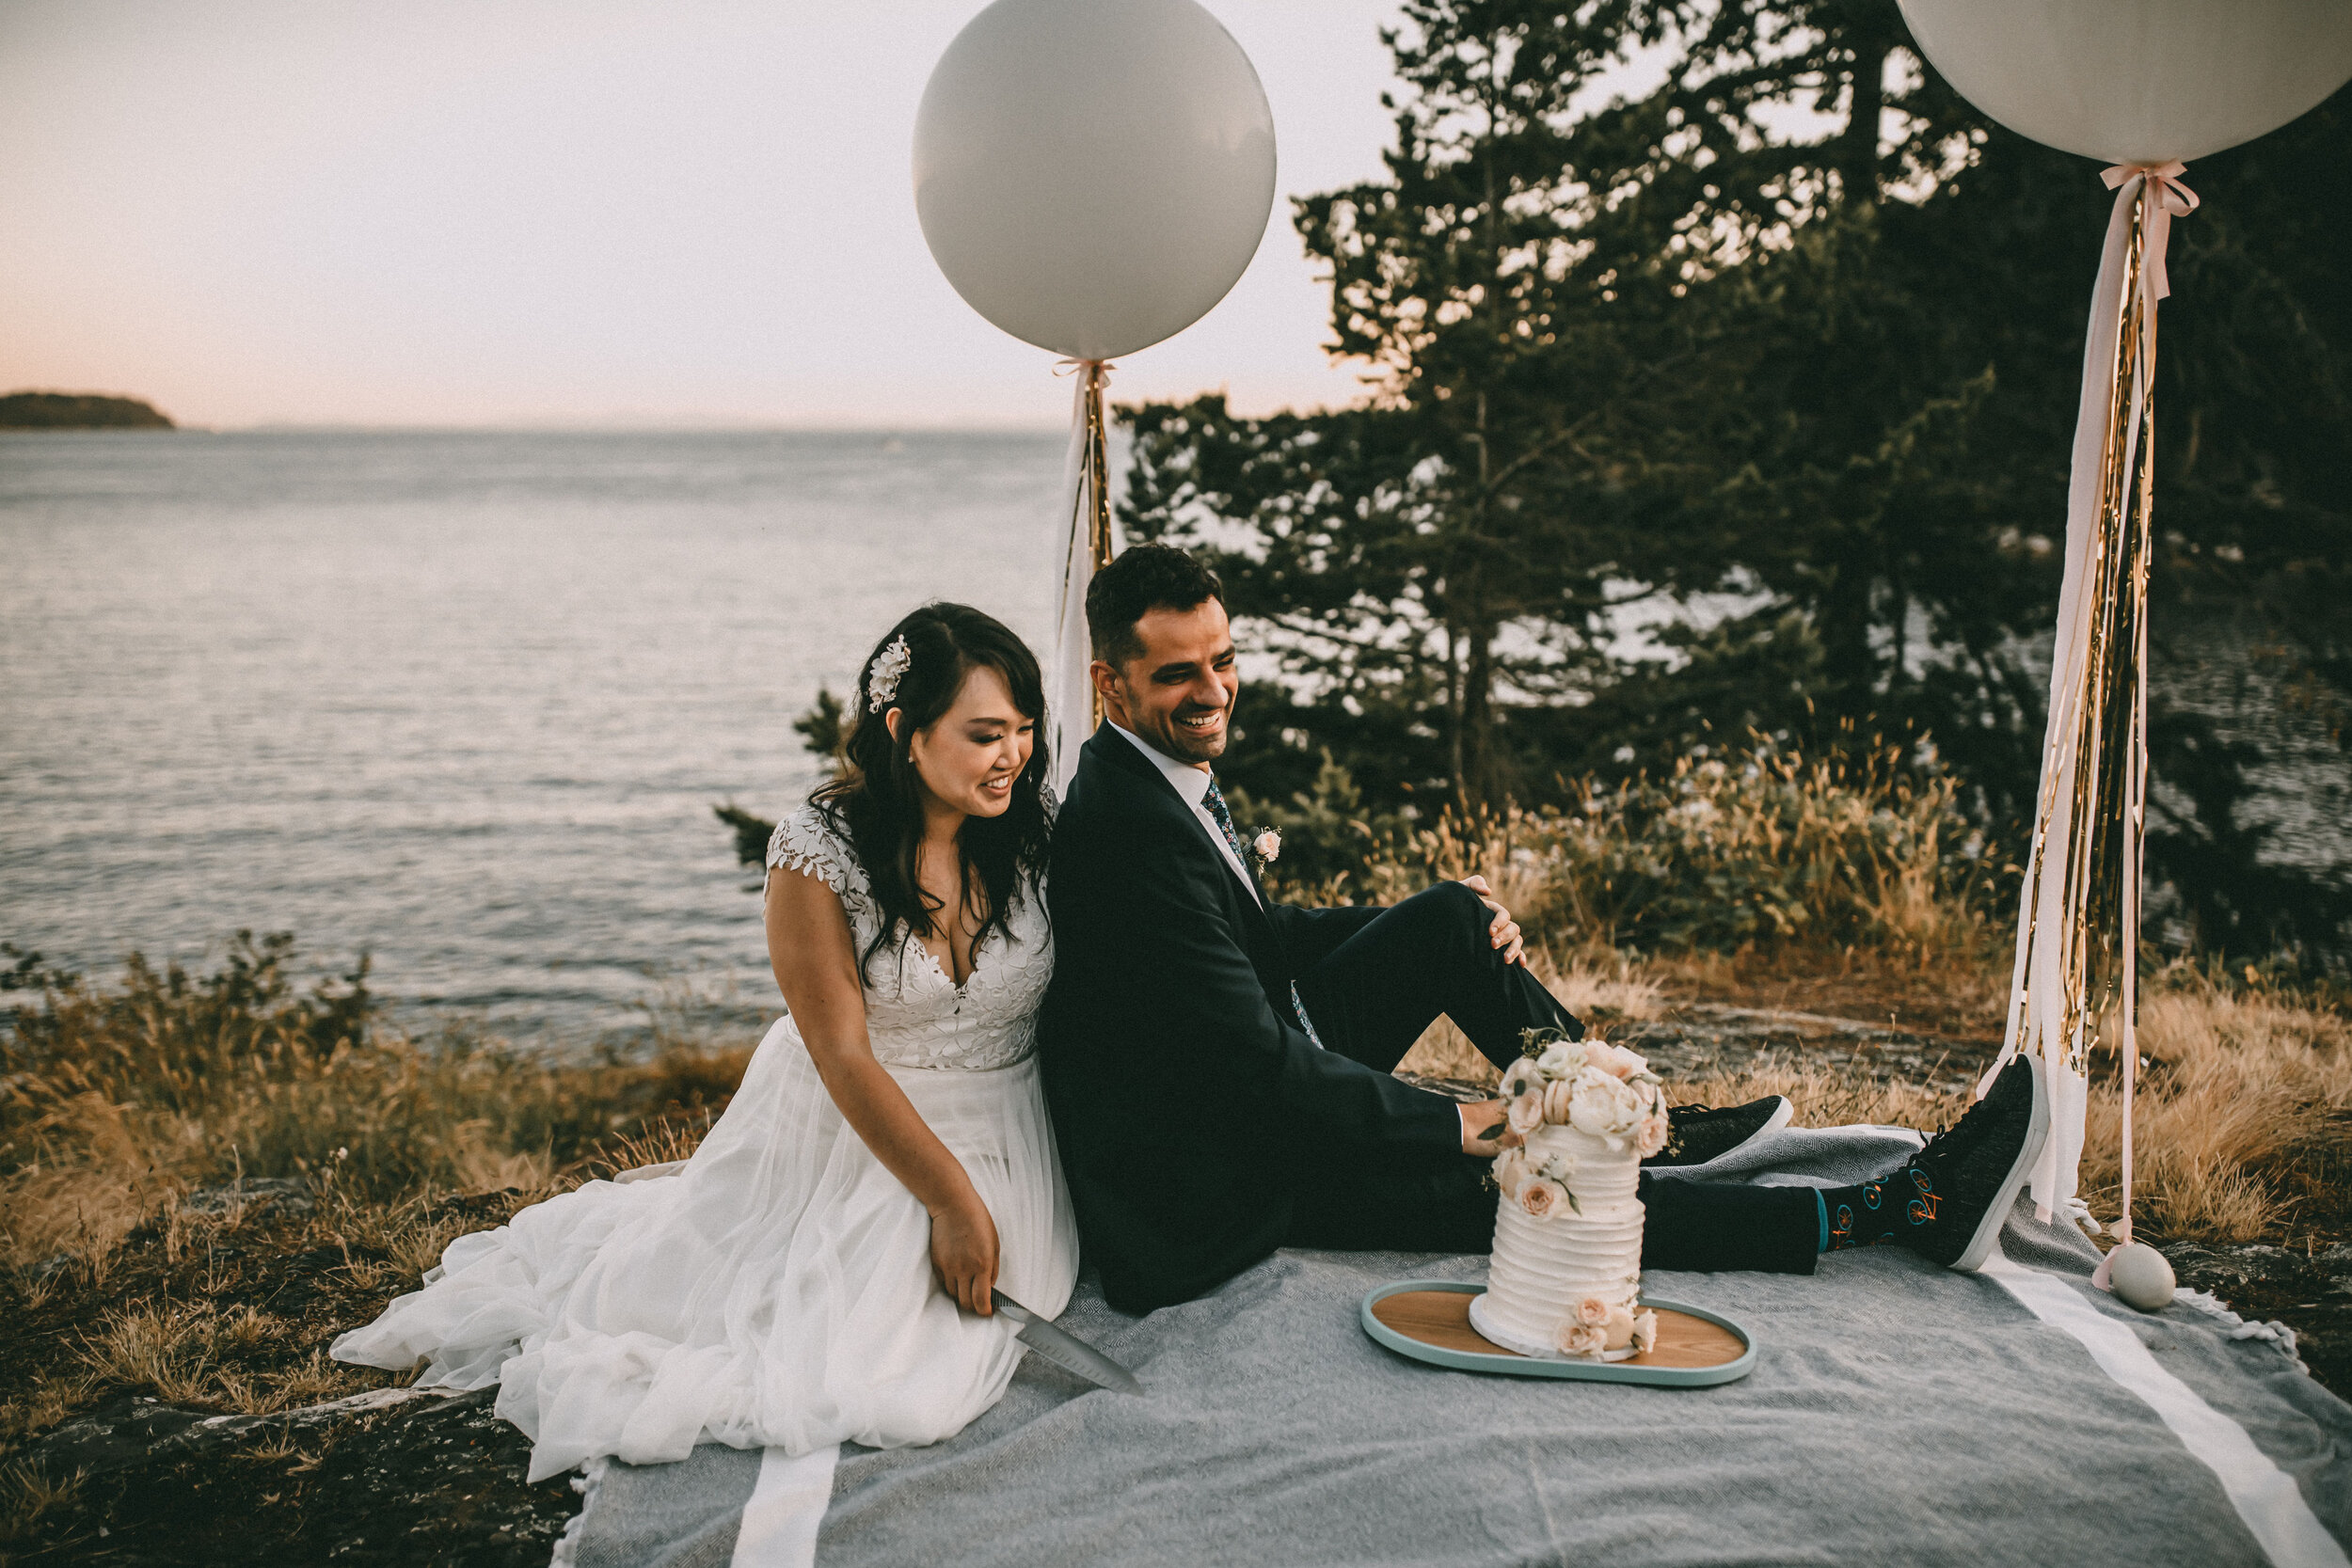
1143,578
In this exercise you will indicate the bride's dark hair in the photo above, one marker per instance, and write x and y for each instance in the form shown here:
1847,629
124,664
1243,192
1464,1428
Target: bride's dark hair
876,800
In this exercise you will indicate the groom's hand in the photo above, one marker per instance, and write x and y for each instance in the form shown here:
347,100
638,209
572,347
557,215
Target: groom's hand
1485,1129
1502,929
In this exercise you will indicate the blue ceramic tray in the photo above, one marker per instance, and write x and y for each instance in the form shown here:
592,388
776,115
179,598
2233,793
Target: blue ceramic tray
1429,1320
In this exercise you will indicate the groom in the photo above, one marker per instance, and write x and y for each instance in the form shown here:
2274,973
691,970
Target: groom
1219,1065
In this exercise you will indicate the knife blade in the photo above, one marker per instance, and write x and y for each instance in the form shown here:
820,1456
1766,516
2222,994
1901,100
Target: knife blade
1064,1349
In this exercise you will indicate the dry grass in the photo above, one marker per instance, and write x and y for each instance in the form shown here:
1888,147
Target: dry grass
1599,987
1824,1099
120,1102
2244,1115
27,1493
114,1100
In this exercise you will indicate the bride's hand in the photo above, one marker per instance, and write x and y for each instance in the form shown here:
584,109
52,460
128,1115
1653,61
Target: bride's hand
964,1252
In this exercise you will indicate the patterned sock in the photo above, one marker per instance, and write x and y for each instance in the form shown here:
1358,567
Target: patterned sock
1874,1213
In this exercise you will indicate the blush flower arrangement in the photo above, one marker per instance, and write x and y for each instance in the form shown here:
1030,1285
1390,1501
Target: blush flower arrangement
1600,1089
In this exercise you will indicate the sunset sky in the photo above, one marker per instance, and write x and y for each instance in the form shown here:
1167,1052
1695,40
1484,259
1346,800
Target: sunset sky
567,212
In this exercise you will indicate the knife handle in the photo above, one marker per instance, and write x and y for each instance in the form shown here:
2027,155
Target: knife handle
1011,1308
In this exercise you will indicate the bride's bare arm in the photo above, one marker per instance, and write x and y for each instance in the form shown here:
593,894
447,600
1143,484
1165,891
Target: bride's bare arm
816,963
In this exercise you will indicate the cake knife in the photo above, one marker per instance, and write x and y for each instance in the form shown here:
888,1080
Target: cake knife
1064,1349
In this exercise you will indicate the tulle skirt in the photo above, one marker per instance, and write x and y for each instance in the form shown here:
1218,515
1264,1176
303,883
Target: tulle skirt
775,1291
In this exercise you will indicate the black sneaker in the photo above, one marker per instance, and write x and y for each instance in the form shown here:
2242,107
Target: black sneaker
1703,1132
1948,1203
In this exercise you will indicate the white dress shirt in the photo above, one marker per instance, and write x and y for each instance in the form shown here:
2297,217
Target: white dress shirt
1192,787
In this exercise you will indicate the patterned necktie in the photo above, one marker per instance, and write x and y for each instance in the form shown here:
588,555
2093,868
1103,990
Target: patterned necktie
1215,801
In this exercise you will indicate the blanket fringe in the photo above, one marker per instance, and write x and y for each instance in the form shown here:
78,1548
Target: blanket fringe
2274,1332
587,1483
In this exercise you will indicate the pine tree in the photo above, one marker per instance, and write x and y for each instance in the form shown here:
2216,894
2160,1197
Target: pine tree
1781,355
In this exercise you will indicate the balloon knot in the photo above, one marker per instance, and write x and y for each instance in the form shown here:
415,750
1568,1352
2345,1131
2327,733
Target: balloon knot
2173,199
2165,179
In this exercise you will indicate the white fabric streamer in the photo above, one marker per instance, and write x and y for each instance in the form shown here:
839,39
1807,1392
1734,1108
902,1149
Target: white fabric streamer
2037,1013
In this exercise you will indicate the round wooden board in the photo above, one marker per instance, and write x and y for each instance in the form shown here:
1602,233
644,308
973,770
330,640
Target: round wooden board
1429,1320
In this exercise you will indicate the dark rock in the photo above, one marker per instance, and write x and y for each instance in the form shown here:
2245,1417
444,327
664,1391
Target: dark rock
1460,1089
1695,1038
288,1194
2309,1292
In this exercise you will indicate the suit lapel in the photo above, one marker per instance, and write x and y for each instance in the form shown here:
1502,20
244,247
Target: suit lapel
1116,751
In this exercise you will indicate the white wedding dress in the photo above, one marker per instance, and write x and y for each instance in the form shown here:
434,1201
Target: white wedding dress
776,1290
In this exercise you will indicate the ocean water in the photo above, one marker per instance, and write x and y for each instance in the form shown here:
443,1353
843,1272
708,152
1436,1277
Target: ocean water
463,701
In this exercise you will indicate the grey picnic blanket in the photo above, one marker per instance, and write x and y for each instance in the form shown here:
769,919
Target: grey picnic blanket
1898,1414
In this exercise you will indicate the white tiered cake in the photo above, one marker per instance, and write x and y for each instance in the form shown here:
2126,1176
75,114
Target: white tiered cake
1567,1255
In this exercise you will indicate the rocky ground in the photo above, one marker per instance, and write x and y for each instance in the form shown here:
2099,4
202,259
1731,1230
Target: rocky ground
1706,1038
395,1477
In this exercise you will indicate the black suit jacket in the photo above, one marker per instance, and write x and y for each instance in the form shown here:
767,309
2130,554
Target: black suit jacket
1185,1095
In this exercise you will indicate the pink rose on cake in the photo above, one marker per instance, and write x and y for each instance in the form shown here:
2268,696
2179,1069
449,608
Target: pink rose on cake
1527,1112
1582,1339
1512,1172
1614,1060
1541,1197
1651,1135
1593,1311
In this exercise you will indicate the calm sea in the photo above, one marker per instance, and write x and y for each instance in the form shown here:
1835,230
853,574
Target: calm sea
463,701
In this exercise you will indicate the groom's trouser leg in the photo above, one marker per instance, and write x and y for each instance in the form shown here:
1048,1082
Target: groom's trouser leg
1387,1202
1714,1227
1373,995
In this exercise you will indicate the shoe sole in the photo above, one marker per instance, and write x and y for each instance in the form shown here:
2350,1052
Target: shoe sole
1773,1123
1997,1214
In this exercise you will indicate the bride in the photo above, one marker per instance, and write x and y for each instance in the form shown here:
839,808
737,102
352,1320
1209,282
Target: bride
820,1271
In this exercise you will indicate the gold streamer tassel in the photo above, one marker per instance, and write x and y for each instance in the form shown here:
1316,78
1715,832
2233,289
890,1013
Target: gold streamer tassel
2077,951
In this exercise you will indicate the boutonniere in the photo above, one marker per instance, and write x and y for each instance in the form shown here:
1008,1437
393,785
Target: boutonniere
1267,847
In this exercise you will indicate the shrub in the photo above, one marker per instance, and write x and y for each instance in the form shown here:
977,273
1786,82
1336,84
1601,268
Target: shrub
114,1097
1758,849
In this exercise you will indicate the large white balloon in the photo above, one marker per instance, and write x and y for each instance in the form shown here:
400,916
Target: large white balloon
2139,81
1094,175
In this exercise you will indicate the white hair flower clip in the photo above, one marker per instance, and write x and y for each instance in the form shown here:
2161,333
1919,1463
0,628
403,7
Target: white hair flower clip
890,666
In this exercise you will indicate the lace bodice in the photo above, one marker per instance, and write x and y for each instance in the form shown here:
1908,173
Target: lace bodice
916,1015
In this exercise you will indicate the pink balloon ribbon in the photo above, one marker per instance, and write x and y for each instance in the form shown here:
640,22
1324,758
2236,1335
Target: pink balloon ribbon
2174,201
